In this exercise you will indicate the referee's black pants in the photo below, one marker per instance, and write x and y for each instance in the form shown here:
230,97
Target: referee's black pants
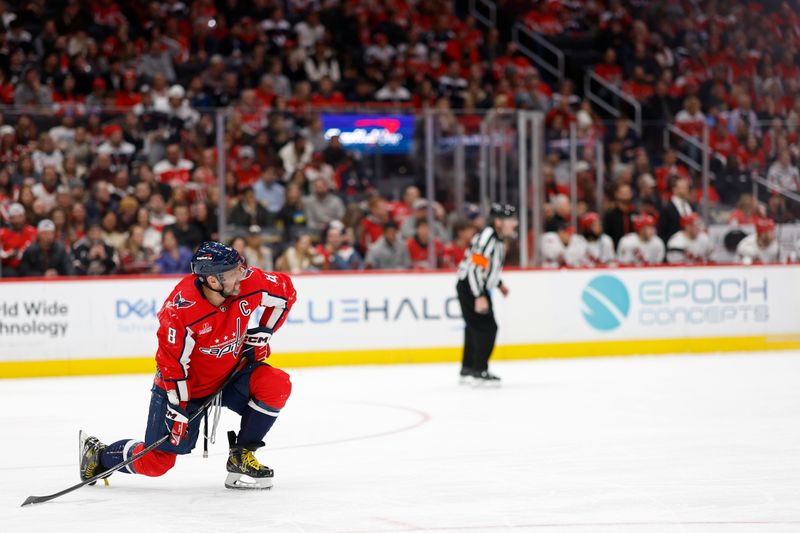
480,331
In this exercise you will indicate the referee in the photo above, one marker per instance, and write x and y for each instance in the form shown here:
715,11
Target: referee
478,273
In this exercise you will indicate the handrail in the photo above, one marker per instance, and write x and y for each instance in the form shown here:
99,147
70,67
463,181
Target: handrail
491,20
556,70
776,188
674,130
591,76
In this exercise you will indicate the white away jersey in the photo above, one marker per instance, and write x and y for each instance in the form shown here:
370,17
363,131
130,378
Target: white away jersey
684,251
749,252
585,253
633,251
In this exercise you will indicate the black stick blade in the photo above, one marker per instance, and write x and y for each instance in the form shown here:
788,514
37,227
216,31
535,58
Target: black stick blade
30,500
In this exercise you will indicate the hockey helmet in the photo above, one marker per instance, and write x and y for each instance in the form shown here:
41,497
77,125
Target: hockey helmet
642,221
503,211
213,258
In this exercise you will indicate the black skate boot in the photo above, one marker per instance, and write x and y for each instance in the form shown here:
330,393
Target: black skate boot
89,449
243,464
485,379
466,376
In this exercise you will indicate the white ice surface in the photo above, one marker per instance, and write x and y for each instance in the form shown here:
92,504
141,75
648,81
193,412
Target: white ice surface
672,444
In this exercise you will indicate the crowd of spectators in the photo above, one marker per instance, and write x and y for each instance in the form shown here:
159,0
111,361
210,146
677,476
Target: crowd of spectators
107,144
729,68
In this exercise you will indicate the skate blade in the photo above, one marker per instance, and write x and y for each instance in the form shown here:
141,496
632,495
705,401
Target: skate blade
82,436
486,384
242,482
466,380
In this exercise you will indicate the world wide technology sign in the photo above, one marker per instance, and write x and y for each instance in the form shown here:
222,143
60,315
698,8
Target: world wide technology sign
388,134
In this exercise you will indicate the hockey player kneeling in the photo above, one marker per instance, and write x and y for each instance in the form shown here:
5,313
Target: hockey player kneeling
218,320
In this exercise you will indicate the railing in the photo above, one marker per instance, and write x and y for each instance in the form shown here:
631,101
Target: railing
694,142
489,17
531,45
793,196
612,108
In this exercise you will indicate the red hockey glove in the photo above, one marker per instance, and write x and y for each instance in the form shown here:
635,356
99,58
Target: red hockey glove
256,343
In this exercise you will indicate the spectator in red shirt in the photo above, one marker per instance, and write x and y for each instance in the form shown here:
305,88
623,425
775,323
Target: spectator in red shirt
246,170
418,247
400,211
691,119
327,96
127,96
722,141
609,69
14,240
372,225
453,253
174,170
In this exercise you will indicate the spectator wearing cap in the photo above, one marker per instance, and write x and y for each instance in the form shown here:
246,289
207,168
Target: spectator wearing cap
46,257
321,206
669,221
269,192
14,240
246,170
248,212
186,231
118,149
420,212
92,255
255,252
179,112
174,258
174,169
389,252
296,154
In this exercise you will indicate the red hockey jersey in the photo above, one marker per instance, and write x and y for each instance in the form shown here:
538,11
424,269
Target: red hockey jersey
200,343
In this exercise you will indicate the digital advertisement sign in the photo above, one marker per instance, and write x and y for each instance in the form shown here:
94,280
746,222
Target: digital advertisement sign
388,134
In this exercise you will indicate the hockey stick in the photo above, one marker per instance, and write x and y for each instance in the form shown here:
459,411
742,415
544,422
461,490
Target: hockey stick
200,411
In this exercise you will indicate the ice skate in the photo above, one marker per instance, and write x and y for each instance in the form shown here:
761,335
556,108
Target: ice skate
89,450
244,470
486,379
466,376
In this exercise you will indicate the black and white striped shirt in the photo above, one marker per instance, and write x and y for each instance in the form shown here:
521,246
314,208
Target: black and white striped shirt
483,262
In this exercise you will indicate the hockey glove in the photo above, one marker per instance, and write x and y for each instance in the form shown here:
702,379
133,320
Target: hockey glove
176,415
256,344
177,423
